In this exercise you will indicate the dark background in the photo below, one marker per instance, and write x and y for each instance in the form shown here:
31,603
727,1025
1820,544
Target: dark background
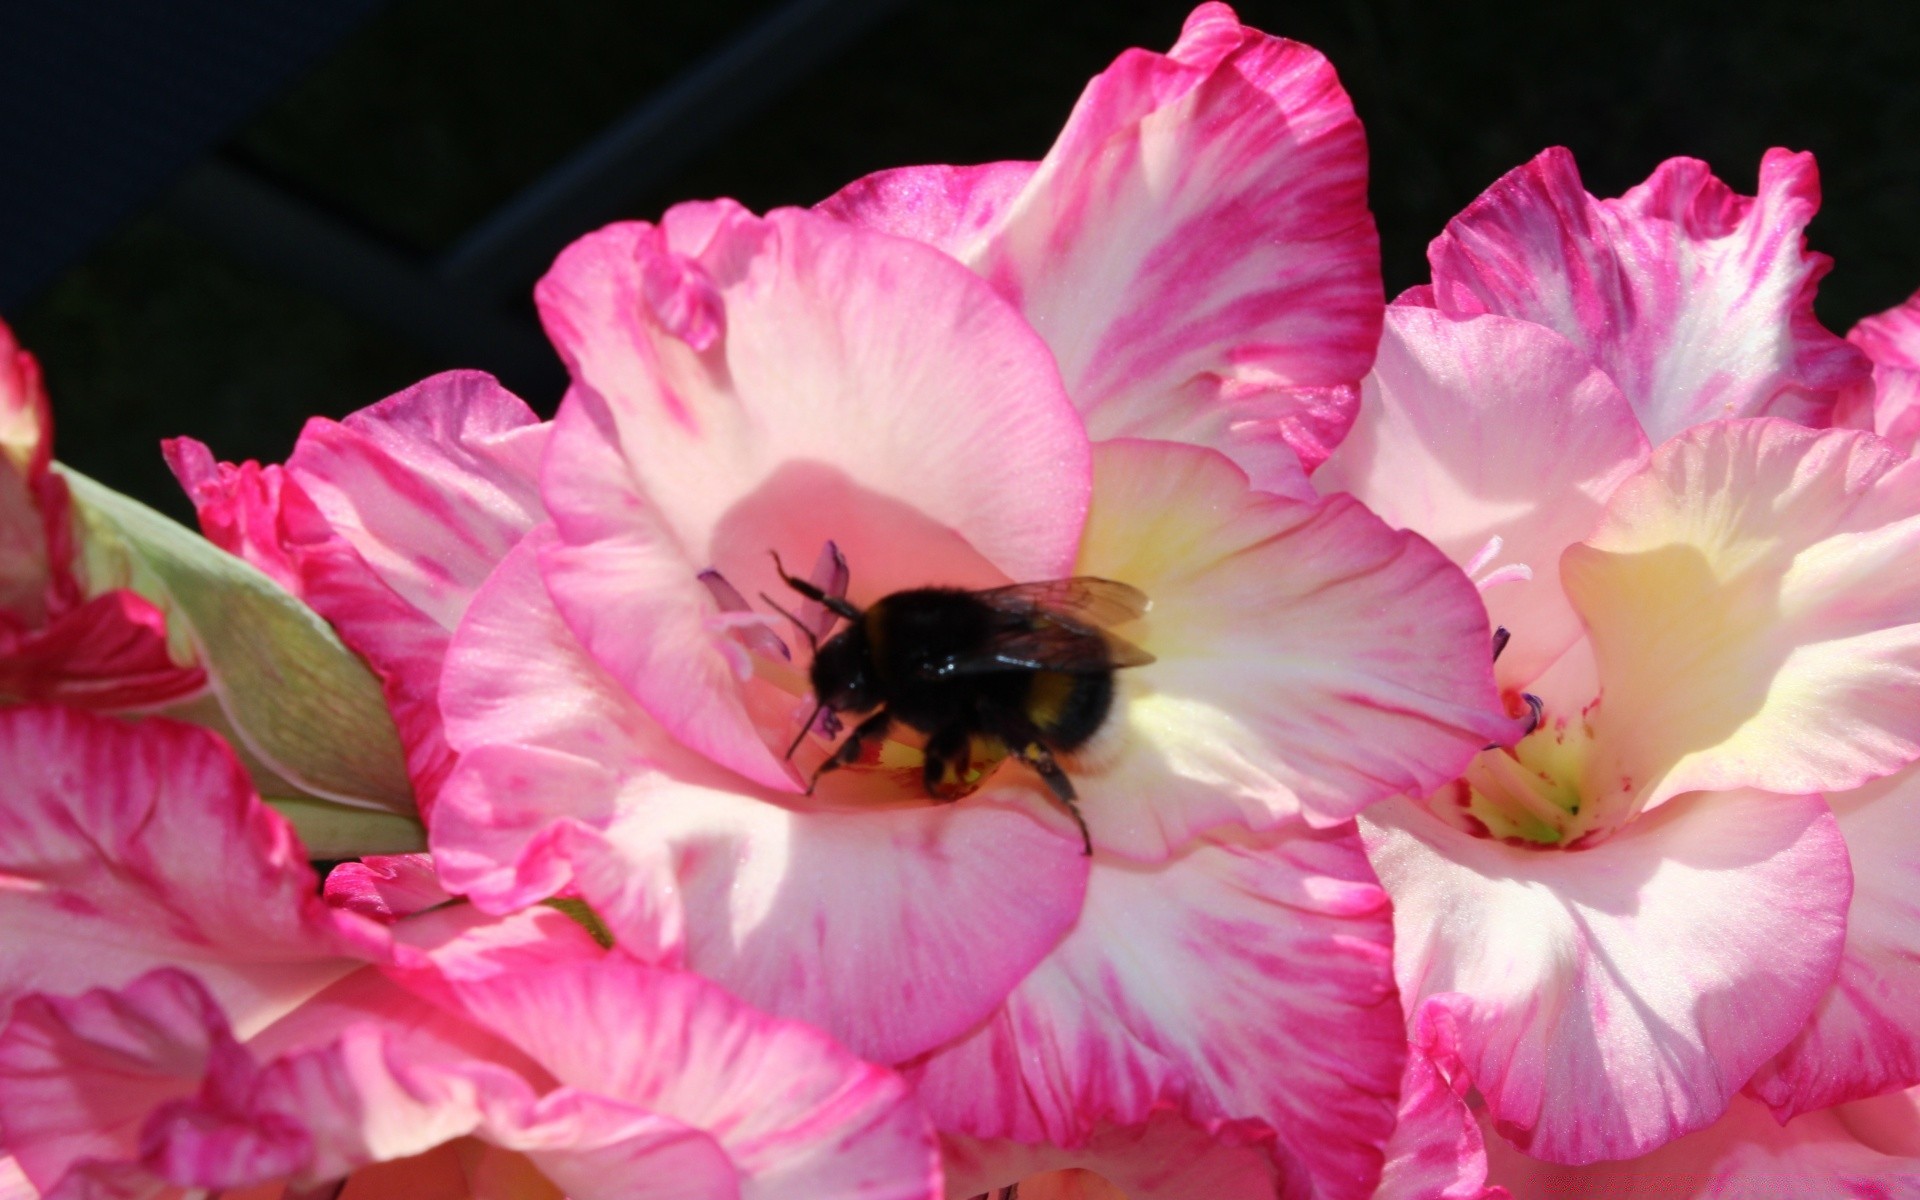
221,218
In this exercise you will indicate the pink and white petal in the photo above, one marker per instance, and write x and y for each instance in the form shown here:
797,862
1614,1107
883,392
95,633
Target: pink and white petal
132,846
1746,1155
1248,978
1748,603
79,1076
1485,427
858,388
1891,338
1604,1001
1165,1157
892,929
431,486
1310,660
1864,1038
797,1115
1199,235
1437,1151
1696,301
958,210
1891,407
386,887
109,652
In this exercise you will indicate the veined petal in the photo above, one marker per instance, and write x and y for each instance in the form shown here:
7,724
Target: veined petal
892,929
1486,427
956,209
1165,1157
1196,247
1748,601
1604,1000
1437,1151
1310,660
1696,301
1184,983
857,388
386,887
1746,1155
80,1077
126,847
431,486
797,1115
1864,1038
109,652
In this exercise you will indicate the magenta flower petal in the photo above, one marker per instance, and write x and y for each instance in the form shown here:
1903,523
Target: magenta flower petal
860,389
1310,660
1891,406
65,639
106,1077
1185,984
1490,433
893,929
1437,1151
1697,302
386,887
1603,1000
1864,1038
143,845
1196,247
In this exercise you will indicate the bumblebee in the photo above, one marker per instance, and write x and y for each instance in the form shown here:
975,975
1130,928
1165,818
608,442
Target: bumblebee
1023,671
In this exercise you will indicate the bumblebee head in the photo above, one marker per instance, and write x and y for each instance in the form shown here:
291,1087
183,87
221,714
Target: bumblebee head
842,672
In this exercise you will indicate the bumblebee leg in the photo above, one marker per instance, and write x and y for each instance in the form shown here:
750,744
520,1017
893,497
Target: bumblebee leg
875,726
1037,756
949,754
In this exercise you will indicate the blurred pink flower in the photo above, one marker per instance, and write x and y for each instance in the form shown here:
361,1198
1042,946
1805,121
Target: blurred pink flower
63,635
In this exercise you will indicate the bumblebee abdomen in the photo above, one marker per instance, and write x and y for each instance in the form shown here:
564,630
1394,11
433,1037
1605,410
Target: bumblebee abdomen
1068,708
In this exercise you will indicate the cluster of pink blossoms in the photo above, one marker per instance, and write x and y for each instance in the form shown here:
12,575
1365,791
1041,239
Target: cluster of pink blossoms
1521,799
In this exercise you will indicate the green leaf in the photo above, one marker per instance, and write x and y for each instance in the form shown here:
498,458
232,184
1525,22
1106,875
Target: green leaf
335,831
301,702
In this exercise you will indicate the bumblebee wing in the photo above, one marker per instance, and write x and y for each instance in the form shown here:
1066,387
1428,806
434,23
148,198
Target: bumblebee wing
1042,642
1084,599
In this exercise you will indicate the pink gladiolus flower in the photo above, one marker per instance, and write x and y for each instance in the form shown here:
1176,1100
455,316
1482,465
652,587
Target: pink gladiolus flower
236,1033
622,700
1707,634
386,523
61,637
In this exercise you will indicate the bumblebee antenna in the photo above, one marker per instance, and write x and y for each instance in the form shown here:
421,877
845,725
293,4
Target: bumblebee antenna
813,639
834,604
804,727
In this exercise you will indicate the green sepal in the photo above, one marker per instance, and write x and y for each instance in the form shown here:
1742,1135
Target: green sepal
335,831
297,700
